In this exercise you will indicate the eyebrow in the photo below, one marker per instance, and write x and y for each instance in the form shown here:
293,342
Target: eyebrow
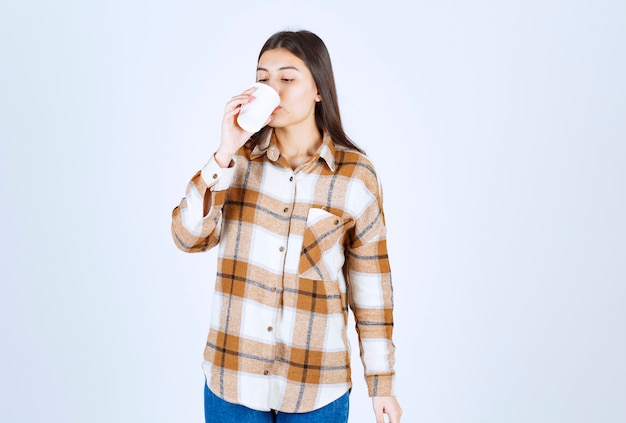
282,68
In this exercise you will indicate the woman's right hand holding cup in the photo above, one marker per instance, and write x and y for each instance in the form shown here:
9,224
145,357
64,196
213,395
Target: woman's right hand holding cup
233,136
242,119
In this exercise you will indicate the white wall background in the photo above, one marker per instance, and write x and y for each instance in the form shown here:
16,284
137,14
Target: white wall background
498,128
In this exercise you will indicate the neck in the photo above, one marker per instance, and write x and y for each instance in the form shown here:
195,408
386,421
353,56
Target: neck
297,144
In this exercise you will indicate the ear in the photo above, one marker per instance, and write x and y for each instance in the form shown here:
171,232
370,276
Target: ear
318,98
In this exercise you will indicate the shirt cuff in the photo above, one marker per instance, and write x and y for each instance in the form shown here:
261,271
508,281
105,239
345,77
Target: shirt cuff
381,385
218,178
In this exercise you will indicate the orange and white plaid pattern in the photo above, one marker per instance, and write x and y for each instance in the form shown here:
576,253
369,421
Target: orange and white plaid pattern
296,249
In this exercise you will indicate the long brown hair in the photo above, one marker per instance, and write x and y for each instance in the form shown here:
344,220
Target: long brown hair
310,48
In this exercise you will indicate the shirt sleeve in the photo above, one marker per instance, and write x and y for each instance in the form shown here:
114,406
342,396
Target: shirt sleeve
370,291
192,230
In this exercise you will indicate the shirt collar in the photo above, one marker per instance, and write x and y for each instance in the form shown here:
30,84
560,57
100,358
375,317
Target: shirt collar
326,151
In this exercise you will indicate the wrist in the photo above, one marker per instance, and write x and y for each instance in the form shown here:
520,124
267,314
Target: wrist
223,159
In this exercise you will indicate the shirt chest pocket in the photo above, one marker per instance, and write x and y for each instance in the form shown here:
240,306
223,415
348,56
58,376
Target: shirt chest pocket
322,257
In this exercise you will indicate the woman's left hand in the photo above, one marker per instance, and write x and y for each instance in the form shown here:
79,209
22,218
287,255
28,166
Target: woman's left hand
388,406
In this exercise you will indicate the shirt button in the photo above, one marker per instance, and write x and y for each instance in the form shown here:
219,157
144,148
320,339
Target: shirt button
281,249
336,221
274,289
286,209
291,179
266,372
215,176
269,328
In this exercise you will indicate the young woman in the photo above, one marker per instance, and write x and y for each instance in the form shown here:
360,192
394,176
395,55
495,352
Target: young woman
297,212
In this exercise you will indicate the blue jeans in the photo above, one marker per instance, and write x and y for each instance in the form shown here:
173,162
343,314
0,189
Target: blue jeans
216,410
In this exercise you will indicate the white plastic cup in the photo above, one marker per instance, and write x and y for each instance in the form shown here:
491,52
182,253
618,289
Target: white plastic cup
254,114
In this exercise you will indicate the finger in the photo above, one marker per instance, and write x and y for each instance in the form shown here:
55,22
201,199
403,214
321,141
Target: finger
238,101
247,94
232,112
244,97
380,417
394,414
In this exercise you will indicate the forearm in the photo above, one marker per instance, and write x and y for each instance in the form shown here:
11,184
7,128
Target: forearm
196,221
372,303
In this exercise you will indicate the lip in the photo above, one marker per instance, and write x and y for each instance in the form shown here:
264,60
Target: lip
277,109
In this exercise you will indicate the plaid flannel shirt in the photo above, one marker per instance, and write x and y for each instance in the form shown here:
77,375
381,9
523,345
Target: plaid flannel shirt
296,249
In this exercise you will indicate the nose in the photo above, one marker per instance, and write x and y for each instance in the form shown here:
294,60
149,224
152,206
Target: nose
274,85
